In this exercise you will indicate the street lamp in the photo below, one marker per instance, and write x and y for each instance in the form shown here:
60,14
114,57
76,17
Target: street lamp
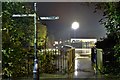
75,26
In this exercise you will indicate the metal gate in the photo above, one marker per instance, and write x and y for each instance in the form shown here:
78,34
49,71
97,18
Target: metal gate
56,61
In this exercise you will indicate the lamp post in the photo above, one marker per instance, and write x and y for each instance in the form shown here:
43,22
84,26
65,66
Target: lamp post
75,26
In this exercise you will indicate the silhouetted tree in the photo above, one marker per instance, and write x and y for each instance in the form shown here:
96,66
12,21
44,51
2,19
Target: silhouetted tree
111,21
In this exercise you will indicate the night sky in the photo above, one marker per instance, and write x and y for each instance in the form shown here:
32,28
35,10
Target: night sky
68,13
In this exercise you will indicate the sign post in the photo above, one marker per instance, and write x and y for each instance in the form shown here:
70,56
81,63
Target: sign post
35,69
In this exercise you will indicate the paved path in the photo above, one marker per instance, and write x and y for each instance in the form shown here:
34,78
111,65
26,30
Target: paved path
84,69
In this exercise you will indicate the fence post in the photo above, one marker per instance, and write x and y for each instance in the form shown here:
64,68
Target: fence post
71,60
99,59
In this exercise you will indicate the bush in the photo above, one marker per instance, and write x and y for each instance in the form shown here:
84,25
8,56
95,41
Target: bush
46,63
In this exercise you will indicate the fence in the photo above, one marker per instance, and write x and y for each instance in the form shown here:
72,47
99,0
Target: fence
97,58
71,60
51,61
61,62
100,59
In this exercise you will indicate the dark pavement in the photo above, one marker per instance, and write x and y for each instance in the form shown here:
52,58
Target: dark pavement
84,69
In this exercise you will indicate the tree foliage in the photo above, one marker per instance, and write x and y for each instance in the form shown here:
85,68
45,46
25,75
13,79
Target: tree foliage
17,38
17,34
51,40
111,21
42,35
111,17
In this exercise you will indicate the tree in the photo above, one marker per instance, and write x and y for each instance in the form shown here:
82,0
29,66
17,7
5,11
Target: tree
111,21
17,39
51,40
111,18
42,35
17,34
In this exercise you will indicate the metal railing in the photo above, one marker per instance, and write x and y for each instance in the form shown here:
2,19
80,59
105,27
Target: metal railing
60,62
51,61
63,62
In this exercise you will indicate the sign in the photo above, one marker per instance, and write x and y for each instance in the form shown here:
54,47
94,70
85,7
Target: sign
49,18
83,40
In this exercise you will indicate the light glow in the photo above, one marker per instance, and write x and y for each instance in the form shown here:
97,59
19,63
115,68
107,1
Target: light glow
75,25
76,67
